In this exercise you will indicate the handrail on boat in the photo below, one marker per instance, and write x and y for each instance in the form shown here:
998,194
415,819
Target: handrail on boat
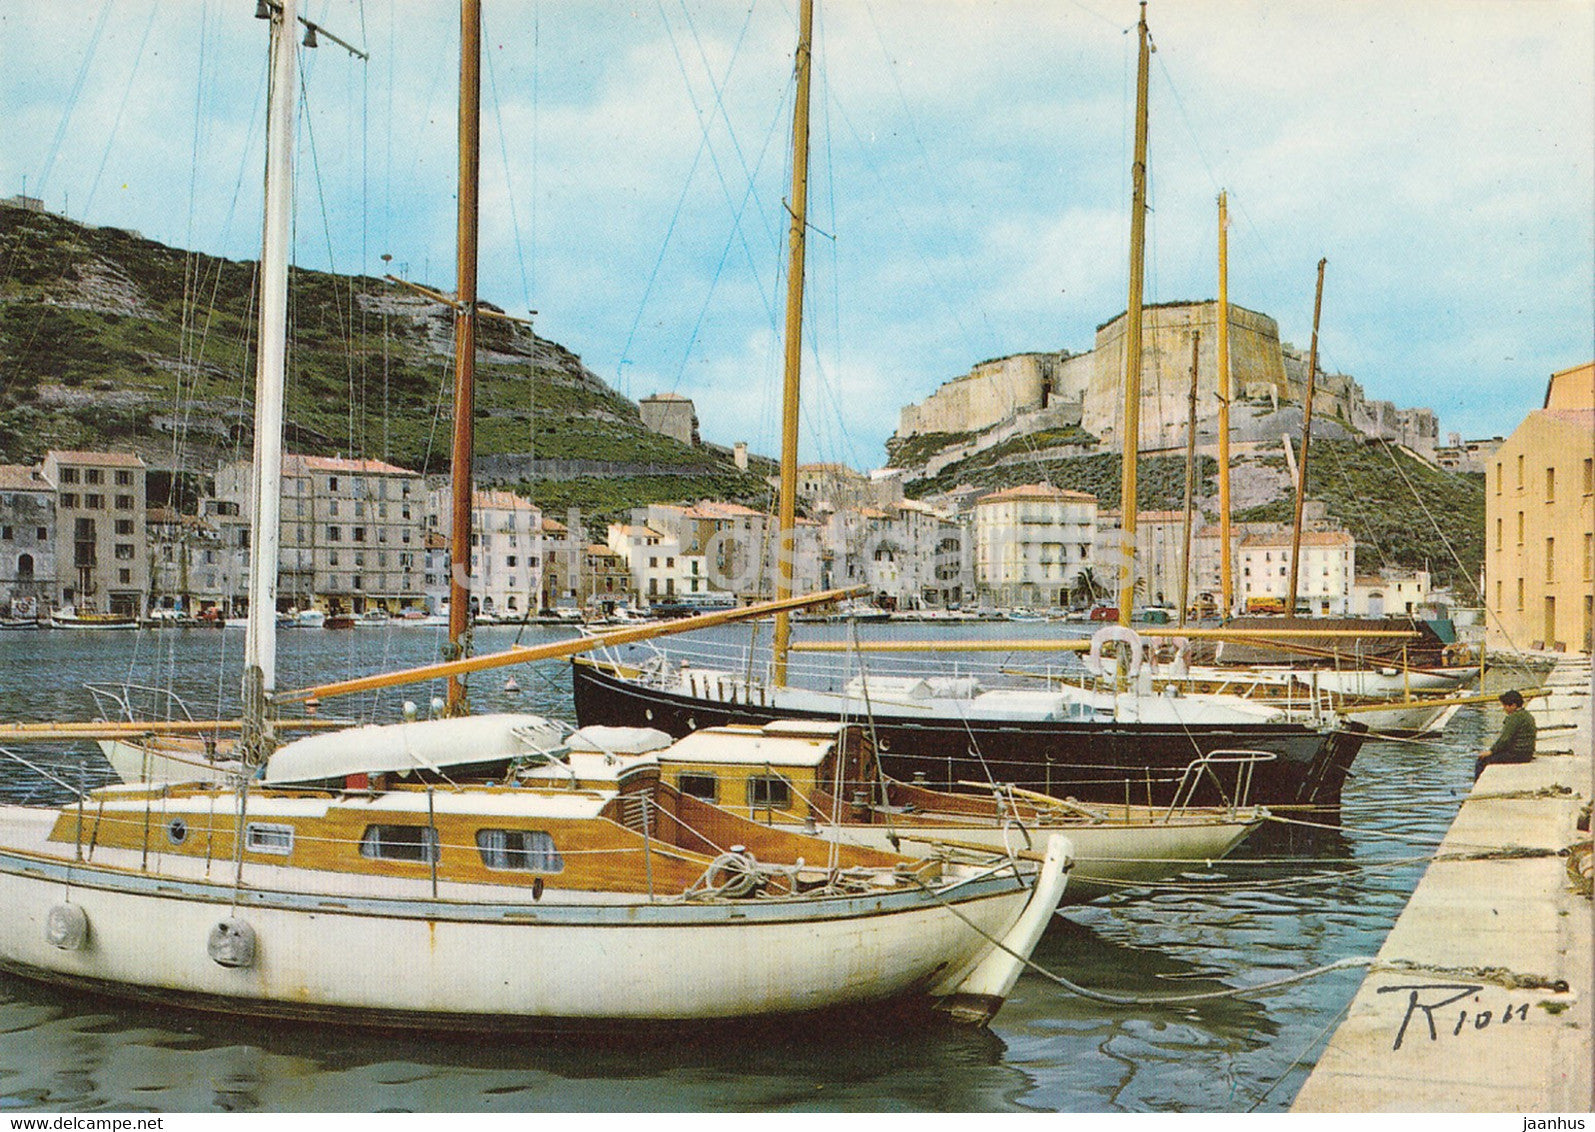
121,695
1245,762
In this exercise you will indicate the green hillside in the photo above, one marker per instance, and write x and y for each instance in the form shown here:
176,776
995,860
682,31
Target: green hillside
108,339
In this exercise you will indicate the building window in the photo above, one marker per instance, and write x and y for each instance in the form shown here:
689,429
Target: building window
1520,473
1550,560
69,475
1520,595
124,551
69,499
94,501
524,850
1589,476
334,534
358,534
124,479
124,503
332,483
1520,528
5,533
1589,556
1550,485
42,533
124,577
417,843
93,475
124,526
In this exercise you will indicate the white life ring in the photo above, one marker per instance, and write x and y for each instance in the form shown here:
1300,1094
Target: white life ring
1102,636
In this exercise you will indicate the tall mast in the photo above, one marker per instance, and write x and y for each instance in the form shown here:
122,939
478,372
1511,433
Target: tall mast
1225,385
464,347
1132,334
1306,437
1190,479
260,638
786,546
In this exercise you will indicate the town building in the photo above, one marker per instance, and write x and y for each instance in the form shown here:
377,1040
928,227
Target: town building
352,532
27,542
1323,584
1032,544
102,563
1159,555
1391,593
1539,506
605,583
672,415
199,564
506,579
650,558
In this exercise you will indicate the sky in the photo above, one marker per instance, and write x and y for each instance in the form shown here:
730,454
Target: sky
969,178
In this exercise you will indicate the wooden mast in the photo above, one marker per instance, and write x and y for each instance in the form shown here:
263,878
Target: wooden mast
1225,385
786,546
1131,438
464,348
260,637
1306,437
1190,480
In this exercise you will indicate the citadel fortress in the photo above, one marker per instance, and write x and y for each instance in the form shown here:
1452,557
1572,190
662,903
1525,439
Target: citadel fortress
1025,394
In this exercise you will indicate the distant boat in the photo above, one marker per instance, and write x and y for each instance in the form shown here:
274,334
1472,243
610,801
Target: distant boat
338,621
88,619
19,623
376,618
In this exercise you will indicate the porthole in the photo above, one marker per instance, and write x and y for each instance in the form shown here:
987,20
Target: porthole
648,714
692,724
177,831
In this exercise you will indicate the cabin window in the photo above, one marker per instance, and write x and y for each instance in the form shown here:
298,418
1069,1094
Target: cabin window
526,850
264,837
177,831
769,792
699,786
399,843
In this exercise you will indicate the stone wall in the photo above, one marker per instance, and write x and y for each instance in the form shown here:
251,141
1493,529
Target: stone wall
988,394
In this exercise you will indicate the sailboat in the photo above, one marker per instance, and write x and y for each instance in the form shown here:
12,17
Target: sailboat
1109,744
323,885
825,779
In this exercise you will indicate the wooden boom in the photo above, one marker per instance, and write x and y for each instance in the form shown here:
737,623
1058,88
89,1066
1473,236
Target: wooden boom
522,654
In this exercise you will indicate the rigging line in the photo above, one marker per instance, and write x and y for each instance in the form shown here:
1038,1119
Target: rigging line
1144,1000
116,122
1185,117
345,319
72,100
970,268
670,228
509,186
1312,1042
771,234
738,234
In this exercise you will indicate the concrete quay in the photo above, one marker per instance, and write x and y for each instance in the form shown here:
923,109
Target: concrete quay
1481,999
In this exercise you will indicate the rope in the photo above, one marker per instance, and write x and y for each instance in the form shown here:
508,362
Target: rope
1143,1000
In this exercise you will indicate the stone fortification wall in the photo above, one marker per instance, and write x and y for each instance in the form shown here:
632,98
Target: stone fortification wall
1166,331
988,394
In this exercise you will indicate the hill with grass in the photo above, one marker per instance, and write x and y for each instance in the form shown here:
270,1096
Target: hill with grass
111,340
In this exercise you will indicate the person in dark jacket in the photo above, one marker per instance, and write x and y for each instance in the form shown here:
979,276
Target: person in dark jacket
1515,744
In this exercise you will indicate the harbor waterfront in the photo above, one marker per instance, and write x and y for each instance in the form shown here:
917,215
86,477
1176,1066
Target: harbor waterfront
1285,903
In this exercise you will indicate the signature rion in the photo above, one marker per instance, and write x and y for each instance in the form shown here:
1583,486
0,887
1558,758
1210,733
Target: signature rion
1431,999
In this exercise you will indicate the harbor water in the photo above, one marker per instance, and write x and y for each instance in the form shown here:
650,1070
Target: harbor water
1290,901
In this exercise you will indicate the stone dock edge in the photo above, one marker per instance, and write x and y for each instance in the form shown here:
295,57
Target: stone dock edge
1480,1000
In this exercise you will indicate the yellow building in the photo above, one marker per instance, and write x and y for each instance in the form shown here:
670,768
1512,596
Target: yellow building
1539,560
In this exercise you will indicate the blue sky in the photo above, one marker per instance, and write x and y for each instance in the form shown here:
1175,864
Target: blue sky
969,193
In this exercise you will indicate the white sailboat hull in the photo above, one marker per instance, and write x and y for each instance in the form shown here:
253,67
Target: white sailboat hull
483,960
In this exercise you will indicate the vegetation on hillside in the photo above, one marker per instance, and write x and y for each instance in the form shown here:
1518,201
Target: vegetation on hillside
1401,511
111,340
1160,480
